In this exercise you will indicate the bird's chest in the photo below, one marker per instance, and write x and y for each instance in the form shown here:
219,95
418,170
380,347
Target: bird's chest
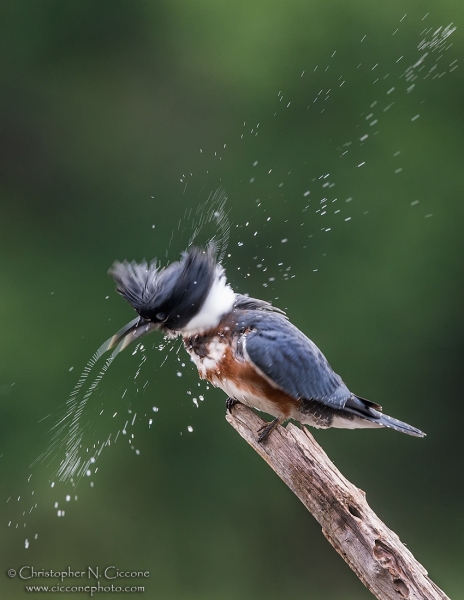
220,358
209,353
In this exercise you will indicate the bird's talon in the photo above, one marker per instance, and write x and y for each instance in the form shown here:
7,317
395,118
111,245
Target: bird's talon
230,403
266,429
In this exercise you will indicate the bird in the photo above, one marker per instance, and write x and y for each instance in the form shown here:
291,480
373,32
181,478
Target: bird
245,346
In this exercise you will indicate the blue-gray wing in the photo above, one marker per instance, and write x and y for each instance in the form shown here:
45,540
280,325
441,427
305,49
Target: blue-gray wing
293,362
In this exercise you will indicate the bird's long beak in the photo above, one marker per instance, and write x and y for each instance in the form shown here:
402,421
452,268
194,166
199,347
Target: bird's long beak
128,334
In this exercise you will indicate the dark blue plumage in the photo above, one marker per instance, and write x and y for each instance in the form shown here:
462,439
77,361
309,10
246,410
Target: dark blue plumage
293,361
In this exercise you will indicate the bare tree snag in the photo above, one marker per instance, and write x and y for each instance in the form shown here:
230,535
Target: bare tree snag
374,552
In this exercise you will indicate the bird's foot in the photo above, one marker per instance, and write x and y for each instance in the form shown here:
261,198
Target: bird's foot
266,429
230,403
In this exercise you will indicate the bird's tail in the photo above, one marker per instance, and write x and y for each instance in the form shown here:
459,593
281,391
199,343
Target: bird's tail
372,412
392,423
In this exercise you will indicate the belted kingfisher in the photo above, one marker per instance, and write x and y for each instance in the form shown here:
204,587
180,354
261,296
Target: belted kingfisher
245,346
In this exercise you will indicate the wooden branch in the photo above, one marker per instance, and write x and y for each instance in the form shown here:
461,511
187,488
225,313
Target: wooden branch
374,552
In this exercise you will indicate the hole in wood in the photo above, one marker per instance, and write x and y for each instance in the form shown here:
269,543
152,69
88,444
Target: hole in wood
354,511
401,588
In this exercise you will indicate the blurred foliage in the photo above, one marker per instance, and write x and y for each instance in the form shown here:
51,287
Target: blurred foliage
105,107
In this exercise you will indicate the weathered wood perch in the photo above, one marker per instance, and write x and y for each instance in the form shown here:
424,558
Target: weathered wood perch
374,552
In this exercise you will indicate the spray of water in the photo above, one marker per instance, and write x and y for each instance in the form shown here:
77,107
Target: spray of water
75,424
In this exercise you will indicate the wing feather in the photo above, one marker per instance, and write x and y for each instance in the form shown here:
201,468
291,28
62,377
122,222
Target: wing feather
293,362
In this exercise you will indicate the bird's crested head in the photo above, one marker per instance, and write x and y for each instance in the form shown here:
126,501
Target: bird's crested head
187,296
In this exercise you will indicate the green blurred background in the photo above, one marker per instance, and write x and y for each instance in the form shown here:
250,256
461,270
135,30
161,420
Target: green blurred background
116,118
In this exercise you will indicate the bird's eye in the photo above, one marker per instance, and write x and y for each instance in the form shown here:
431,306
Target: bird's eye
160,316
